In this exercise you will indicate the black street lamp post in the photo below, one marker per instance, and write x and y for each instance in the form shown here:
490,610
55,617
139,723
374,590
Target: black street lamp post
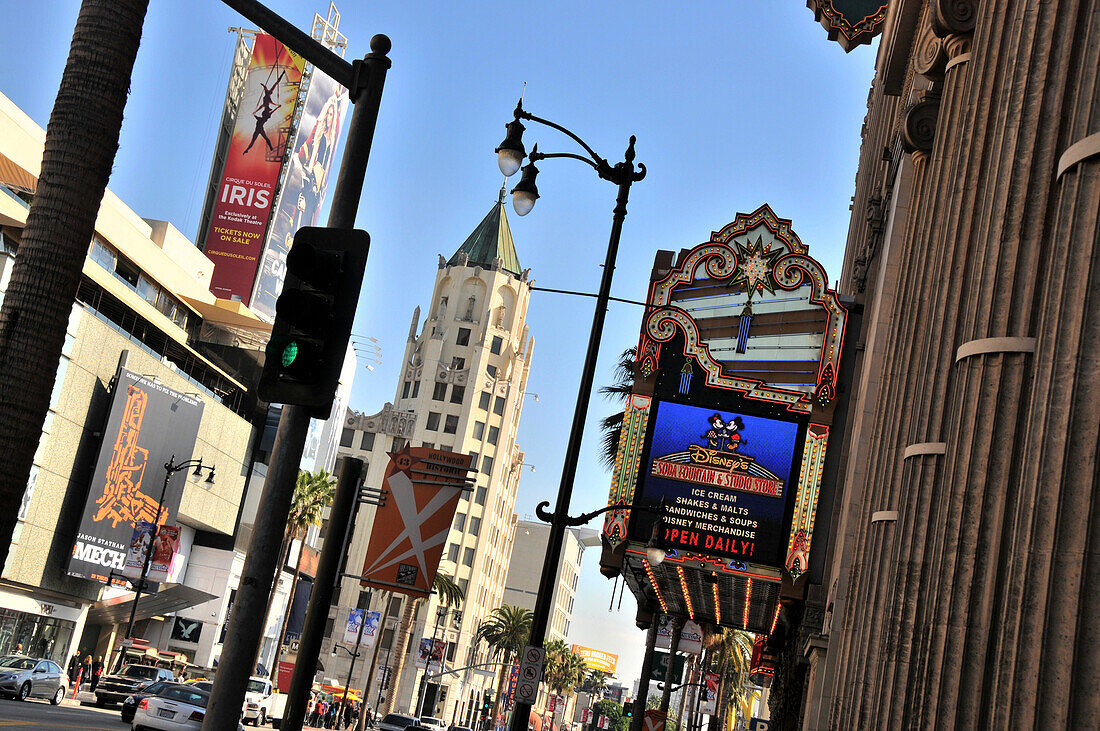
170,468
510,156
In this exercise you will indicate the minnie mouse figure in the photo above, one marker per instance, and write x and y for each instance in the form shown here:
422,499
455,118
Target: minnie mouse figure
718,433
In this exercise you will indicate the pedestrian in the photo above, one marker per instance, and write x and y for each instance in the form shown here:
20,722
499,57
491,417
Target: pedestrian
18,648
349,715
86,668
74,666
97,670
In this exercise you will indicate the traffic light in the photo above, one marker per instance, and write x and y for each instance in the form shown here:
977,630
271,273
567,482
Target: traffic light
486,703
313,318
628,709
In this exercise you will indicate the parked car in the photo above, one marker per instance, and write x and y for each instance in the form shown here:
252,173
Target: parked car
396,722
460,728
130,704
23,677
118,687
257,701
177,707
436,724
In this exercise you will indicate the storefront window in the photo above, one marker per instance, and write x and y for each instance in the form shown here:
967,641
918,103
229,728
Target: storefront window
35,635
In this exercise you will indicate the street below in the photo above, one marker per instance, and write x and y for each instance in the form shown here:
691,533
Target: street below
41,715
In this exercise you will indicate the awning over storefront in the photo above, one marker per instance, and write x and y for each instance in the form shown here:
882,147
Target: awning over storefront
14,176
171,598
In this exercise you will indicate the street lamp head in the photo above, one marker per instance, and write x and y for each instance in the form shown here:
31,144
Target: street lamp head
510,152
210,479
654,553
198,470
526,192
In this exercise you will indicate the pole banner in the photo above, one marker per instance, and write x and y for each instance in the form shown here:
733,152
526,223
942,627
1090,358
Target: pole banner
164,549
257,149
304,186
147,424
421,487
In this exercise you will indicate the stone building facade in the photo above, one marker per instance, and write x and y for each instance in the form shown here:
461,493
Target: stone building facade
962,574
464,374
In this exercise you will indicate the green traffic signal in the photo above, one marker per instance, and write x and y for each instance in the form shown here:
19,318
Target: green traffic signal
290,354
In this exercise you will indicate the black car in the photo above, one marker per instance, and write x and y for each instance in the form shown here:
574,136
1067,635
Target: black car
118,687
129,706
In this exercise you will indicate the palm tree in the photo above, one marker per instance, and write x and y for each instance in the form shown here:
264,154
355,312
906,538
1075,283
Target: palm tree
313,492
505,630
81,141
450,594
732,650
564,669
618,392
595,682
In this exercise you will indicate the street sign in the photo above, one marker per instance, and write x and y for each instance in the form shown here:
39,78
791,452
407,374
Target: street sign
659,671
526,692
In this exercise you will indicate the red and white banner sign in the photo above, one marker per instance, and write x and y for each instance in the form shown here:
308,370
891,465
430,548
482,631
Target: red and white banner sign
257,149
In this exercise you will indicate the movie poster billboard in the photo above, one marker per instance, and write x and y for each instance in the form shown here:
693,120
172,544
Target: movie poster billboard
261,136
710,693
311,162
148,424
726,480
430,655
423,486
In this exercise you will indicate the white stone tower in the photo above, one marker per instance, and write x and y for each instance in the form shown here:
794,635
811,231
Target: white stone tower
464,375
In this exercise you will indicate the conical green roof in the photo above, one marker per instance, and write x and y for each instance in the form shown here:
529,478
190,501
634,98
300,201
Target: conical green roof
492,239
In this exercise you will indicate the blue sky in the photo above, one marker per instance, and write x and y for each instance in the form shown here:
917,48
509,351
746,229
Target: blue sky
734,104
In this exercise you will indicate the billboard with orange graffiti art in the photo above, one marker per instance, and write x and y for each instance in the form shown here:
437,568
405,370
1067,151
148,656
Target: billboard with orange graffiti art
148,424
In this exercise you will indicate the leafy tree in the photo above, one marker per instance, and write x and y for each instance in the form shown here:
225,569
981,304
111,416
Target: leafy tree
505,630
81,141
732,652
450,594
618,392
614,713
595,682
313,492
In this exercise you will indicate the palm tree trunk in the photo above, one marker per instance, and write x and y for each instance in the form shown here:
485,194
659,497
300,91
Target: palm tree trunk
412,606
81,141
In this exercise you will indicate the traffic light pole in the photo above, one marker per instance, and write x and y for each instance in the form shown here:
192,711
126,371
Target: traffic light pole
245,631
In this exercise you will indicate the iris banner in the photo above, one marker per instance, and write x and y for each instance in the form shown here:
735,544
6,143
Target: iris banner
147,425
307,178
726,480
257,149
356,618
422,488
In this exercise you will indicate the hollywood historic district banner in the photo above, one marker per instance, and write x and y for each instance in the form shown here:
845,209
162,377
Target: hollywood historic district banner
257,149
423,486
147,425
727,481
311,162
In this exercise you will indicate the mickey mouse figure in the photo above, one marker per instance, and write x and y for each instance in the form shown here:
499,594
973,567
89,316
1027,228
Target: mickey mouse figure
733,434
718,433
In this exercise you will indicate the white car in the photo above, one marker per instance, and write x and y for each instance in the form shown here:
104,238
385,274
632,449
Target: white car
175,708
433,723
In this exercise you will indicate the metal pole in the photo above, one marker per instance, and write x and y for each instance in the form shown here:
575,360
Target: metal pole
647,668
313,630
541,614
169,470
354,656
374,658
385,685
673,648
245,631
440,613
